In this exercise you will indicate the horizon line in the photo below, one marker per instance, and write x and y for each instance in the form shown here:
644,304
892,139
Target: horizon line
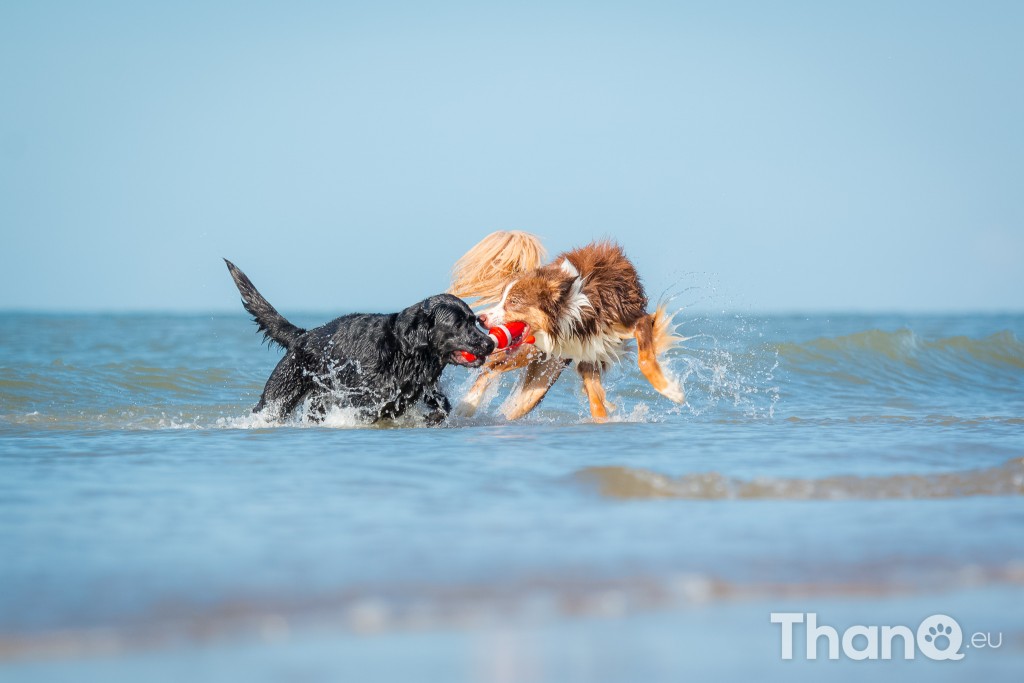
694,309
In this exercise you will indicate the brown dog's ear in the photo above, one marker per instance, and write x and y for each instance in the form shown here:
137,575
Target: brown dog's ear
563,288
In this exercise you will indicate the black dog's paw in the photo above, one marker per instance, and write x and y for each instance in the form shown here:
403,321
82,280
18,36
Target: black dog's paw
435,418
439,406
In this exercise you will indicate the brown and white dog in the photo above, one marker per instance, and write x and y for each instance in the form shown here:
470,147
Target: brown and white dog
581,307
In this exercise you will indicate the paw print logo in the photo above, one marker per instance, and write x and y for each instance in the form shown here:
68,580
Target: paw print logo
936,634
939,637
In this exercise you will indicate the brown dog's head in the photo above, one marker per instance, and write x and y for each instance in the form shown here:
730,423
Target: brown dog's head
541,298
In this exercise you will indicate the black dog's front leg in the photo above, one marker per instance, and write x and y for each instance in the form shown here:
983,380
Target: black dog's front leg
438,404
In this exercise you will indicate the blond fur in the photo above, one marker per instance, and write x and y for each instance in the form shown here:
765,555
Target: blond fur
664,330
484,270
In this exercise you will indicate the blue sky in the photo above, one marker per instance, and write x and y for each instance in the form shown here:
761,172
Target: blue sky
791,156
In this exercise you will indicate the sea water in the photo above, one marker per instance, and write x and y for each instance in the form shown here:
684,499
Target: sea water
868,469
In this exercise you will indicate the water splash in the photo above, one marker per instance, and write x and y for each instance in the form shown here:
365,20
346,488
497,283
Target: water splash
721,365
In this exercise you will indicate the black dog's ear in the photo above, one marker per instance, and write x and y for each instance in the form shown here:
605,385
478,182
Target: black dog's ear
427,306
412,328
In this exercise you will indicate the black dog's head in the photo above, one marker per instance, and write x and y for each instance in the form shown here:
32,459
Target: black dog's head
444,326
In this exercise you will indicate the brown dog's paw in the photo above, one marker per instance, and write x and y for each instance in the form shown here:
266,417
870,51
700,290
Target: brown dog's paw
674,392
466,408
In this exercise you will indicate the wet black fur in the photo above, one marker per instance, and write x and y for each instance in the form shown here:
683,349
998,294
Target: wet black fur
381,364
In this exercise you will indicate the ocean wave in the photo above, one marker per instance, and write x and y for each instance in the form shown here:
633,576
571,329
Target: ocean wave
726,372
632,483
936,420
111,380
1003,351
381,609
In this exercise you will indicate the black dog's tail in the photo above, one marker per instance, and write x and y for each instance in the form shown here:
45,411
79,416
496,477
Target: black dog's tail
271,323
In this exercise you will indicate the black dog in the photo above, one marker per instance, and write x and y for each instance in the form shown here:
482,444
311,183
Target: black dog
379,363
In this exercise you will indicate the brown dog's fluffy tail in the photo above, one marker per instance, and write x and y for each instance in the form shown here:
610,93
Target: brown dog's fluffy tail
664,330
484,270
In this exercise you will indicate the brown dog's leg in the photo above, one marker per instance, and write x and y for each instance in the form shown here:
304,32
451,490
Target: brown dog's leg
648,357
538,378
591,374
490,372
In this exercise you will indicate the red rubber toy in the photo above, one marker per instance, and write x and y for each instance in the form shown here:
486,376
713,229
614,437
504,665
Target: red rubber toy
505,336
